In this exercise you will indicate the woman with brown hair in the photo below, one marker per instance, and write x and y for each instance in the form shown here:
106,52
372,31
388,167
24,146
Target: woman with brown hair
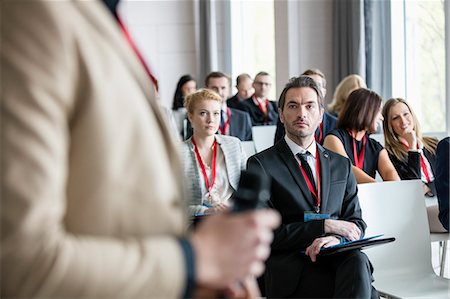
360,117
413,156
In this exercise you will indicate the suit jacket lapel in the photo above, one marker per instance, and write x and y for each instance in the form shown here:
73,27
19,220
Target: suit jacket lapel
292,164
325,177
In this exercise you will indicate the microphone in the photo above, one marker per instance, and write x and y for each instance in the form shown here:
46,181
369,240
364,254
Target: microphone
253,191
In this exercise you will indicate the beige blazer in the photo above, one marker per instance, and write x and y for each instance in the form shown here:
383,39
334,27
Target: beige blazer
91,202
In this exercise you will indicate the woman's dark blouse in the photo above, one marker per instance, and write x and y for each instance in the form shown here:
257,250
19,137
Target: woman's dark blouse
371,154
411,168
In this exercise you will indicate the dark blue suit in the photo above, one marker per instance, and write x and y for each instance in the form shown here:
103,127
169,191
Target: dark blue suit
234,102
240,125
328,124
442,180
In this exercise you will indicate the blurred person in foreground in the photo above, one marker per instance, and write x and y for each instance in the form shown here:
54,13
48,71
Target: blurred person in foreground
93,206
442,180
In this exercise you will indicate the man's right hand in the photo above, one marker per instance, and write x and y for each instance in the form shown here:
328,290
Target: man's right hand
346,229
230,247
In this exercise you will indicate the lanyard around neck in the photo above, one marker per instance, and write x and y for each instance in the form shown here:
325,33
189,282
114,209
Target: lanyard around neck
266,112
316,195
203,168
358,158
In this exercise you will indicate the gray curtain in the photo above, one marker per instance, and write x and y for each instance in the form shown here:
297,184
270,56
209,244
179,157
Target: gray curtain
206,35
362,41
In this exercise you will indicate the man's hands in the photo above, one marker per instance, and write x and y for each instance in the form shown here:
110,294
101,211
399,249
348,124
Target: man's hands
230,247
314,249
347,229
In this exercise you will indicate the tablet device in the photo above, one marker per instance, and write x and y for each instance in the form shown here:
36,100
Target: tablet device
358,244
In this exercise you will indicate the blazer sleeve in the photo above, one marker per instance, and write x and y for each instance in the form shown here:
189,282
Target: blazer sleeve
409,170
40,257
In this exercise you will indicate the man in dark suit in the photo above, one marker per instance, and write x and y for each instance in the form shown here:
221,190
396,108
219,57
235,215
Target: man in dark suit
233,122
442,180
316,194
244,90
328,121
261,110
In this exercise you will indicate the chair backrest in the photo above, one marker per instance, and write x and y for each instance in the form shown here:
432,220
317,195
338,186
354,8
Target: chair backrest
263,137
378,137
397,209
249,148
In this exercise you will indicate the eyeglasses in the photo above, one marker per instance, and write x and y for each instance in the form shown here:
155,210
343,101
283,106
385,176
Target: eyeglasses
263,83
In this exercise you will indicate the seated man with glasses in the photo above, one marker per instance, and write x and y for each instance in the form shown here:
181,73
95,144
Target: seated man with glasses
261,110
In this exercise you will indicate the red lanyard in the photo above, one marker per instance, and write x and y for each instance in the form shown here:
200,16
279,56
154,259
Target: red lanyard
202,166
223,130
422,162
319,138
310,184
139,55
359,159
266,112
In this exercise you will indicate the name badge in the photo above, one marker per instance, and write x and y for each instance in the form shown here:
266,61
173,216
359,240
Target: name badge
310,216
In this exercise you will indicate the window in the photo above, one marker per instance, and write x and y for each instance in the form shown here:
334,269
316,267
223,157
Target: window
253,39
419,66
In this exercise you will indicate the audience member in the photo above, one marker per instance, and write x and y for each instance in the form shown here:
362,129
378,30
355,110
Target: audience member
212,163
185,86
244,90
413,156
343,90
261,110
233,122
360,117
328,121
442,180
316,194
91,206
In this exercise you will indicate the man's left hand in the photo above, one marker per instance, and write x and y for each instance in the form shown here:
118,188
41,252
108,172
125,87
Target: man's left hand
314,249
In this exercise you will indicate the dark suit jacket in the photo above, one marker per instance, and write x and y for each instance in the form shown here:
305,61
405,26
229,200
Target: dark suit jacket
411,169
328,124
233,102
291,197
240,126
442,179
256,115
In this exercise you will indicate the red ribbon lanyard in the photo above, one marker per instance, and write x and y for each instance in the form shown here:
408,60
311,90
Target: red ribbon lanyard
422,162
138,53
266,113
223,130
202,166
359,159
319,138
310,184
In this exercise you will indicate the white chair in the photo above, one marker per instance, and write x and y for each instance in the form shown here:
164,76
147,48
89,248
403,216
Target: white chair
249,148
378,137
263,137
402,269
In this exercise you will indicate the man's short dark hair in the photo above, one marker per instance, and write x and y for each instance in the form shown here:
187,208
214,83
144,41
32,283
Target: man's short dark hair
297,82
217,75
262,74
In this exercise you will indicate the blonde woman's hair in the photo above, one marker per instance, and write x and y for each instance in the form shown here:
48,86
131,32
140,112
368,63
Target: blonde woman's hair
391,141
200,95
343,90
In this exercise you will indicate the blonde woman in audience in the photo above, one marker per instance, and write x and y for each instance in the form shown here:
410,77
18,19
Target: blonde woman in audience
212,163
412,155
342,91
360,117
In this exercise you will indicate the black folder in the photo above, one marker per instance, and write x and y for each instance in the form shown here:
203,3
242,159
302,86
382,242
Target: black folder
358,244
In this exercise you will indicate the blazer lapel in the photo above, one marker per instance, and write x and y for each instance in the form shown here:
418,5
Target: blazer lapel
292,164
325,177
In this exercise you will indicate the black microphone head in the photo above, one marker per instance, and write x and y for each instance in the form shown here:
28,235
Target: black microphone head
253,190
